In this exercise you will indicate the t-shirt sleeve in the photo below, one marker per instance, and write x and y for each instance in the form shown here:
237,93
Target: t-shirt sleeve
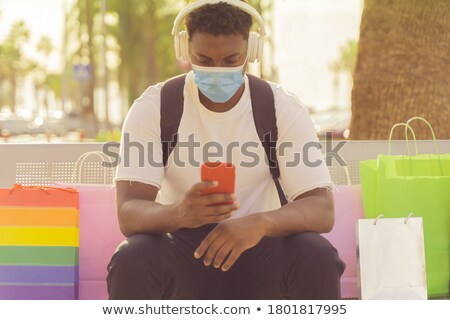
302,166
140,147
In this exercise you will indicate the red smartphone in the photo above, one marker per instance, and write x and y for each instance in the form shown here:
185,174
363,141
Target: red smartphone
224,173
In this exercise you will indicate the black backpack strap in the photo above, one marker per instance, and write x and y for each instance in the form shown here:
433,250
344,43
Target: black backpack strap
263,104
172,103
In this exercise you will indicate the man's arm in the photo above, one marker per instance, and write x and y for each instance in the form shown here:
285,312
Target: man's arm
311,211
139,213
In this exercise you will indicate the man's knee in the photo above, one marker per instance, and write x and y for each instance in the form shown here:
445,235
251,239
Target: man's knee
136,268
314,267
140,251
315,251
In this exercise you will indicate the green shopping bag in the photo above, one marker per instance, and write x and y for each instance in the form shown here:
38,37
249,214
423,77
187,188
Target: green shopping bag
369,175
368,171
419,184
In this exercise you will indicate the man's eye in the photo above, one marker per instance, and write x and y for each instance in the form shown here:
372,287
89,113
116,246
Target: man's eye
231,62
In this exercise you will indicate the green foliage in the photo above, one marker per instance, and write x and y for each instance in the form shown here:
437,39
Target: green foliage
107,136
143,33
19,35
139,37
53,83
45,46
13,63
347,58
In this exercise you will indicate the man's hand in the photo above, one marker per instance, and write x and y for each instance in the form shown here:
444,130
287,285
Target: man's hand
196,210
230,238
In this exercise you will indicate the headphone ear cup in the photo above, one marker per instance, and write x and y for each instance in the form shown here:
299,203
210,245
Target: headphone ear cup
181,44
259,55
184,46
255,47
176,45
252,46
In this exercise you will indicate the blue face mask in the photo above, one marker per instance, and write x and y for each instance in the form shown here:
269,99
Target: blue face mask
218,84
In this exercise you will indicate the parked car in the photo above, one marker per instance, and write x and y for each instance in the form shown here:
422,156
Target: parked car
14,125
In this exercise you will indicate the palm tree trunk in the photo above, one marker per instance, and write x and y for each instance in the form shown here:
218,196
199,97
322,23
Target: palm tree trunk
402,68
150,50
13,93
89,111
1,91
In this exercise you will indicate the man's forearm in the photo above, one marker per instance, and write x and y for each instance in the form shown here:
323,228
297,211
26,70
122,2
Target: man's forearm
313,213
144,216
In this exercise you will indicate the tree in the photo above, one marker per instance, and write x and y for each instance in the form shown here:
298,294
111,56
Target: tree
402,68
3,71
141,40
344,64
347,58
268,69
87,10
13,63
143,33
80,48
72,55
45,47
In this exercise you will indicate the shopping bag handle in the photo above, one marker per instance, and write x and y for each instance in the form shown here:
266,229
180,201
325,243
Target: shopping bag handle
80,162
45,189
407,126
434,138
347,172
382,216
431,129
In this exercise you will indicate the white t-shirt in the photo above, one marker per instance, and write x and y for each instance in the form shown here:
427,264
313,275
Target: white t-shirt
234,132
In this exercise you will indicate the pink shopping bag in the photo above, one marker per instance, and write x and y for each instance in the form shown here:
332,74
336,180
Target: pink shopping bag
348,209
99,237
99,230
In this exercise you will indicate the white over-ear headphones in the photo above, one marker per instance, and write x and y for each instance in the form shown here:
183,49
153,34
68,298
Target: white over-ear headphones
255,40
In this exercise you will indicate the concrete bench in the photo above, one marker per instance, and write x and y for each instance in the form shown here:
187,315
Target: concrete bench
43,164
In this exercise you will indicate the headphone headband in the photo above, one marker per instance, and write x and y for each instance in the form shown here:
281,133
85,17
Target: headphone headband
237,3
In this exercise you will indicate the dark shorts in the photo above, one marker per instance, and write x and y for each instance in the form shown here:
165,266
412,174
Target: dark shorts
300,266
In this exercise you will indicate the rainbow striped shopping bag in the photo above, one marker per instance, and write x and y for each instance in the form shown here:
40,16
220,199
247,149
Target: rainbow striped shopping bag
39,240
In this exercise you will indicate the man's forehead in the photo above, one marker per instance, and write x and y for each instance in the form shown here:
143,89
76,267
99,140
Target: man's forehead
226,39
208,44
230,56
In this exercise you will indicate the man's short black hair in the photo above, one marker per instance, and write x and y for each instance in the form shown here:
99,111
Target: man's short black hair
219,19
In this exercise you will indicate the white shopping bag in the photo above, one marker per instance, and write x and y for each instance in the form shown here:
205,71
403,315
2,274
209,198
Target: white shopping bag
391,259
